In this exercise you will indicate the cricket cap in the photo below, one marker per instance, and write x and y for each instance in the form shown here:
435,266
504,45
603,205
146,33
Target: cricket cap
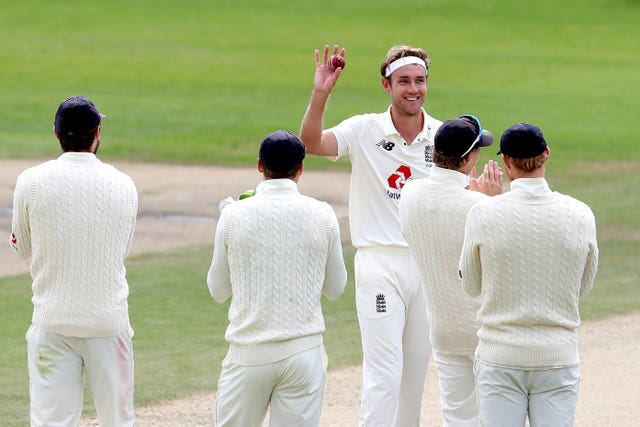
282,151
522,140
77,116
457,137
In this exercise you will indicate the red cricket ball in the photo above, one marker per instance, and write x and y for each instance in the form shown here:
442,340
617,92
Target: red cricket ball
336,61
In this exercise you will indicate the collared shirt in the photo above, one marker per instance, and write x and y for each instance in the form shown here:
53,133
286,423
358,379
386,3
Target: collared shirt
381,162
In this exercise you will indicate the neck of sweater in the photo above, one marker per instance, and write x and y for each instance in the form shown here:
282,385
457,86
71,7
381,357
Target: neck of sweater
448,176
78,157
276,186
531,186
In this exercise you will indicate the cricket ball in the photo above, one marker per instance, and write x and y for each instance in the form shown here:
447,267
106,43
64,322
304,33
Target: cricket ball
336,61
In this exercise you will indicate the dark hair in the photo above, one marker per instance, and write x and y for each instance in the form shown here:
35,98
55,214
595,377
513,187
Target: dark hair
269,174
77,142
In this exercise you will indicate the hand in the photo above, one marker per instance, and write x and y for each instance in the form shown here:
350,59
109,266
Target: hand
325,78
490,182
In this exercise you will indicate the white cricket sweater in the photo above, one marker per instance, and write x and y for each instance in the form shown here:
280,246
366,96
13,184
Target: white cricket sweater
275,253
75,217
530,254
432,213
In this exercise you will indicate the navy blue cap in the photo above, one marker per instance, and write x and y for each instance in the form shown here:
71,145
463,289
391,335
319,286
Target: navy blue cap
77,116
457,137
282,151
521,141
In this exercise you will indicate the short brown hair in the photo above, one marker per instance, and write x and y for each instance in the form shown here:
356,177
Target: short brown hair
528,164
400,51
450,162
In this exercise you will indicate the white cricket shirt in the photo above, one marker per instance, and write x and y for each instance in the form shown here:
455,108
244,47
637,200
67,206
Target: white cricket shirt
381,163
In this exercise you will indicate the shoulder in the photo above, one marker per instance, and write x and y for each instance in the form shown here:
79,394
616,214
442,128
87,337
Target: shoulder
575,204
34,171
318,205
431,121
363,120
413,186
484,205
117,173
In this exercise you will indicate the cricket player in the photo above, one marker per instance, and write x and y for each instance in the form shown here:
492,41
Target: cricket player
432,214
386,150
529,254
74,217
276,253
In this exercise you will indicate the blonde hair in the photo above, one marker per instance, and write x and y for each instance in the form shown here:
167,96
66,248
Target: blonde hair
529,164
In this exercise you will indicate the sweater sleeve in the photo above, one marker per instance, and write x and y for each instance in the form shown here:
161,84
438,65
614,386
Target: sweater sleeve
470,269
133,201
335,277
591,265
218,277
20,239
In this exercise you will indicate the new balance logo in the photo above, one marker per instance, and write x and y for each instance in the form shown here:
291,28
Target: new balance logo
381,304
387,145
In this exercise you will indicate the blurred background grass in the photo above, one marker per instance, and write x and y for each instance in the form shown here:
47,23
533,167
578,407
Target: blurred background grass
201,82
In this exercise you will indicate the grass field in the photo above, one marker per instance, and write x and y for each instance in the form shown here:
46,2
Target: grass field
201,82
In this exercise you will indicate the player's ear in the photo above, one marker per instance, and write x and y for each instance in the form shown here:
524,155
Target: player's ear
386,83
260,166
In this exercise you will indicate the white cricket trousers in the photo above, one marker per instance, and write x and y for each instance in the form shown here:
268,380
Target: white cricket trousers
457,384
395,337
506,396
291,389
56,365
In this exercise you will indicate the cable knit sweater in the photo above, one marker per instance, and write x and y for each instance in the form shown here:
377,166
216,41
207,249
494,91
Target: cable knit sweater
276,253
530,254
74,217
432,214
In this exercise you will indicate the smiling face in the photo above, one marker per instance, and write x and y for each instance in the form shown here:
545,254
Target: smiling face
407,87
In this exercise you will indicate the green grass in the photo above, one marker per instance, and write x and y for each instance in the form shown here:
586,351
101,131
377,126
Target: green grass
204,81
201,82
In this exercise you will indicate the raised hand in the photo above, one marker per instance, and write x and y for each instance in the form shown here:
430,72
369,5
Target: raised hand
326,77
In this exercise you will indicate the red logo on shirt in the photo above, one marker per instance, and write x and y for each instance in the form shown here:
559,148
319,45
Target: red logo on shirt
399,177
14,239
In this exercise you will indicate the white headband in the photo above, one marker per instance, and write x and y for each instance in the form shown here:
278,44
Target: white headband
401,62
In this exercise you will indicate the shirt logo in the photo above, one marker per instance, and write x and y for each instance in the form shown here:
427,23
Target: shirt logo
428,155
399,177
14,240
387,145
381,304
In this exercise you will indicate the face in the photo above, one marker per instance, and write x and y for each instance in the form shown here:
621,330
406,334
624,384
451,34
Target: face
408,89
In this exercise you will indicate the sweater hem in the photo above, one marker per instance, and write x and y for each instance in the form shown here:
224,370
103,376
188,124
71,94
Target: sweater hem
269,352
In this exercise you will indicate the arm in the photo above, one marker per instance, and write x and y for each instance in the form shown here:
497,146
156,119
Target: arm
490,182
218,277
317,141
469,268
335,277
591,265
20,239
133,200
